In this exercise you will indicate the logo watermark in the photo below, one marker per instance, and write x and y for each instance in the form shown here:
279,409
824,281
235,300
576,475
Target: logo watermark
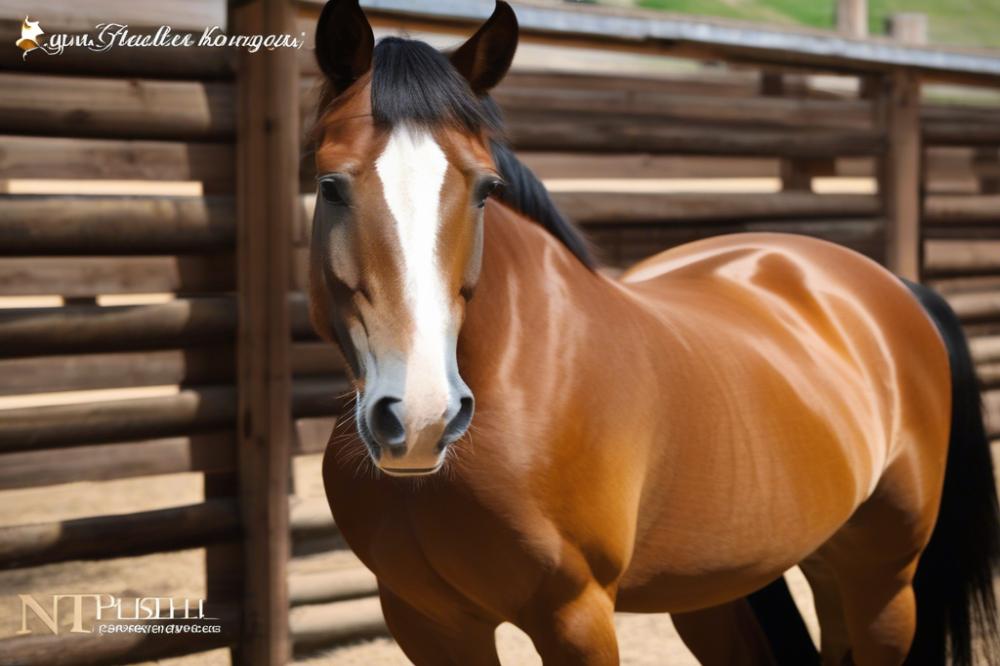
109,614
107,36
31,36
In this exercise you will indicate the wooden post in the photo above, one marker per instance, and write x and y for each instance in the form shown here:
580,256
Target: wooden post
267,150
988,160
908,28
796,173
223,561
852,18
898,115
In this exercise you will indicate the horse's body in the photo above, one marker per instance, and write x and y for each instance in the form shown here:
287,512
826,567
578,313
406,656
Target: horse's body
764,386
670,441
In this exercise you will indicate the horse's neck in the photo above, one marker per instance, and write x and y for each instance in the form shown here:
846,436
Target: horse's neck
532,294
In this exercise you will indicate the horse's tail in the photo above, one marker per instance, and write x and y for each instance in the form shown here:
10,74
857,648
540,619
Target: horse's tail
956,606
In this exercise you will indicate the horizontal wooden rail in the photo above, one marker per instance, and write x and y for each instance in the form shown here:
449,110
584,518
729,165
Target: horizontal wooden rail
298,306
672,109
118,535
208,453
533,131
201,365
213,164
631,208
90,276
119,108
976,306
190,410
81,328
154,62
94,649
710,81
319,396
193,366
32,428
985,349
641,165
989,374
957,210
991,412
313,433
71,16
944,163
961,132
310,359
31,225
319,625
961,256
311,518
962,284
327,586
954,125
931,113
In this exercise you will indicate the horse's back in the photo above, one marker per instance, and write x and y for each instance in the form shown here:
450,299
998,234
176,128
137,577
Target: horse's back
817,367
723,255
820,303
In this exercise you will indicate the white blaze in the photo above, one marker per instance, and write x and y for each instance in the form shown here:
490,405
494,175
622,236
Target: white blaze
412,170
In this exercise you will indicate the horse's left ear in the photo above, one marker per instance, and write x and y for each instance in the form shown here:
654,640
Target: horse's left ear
486,57
344,43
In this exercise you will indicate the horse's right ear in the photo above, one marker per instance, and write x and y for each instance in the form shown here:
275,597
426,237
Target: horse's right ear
486,57
344,43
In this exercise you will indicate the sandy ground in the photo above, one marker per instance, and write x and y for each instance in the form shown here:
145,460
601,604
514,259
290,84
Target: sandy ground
644,639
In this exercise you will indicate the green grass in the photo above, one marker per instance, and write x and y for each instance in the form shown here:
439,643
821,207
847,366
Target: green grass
974,23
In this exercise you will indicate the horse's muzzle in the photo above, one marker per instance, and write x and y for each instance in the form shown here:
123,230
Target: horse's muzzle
404,443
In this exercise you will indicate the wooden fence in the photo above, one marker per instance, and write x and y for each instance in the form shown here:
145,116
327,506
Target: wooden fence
757,144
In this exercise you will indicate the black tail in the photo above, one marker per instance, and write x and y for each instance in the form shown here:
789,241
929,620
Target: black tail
956,607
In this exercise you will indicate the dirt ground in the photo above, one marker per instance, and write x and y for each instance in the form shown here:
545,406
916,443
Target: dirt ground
644,639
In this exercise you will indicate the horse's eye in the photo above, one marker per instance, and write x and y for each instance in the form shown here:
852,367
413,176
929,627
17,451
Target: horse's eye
331,189
485,189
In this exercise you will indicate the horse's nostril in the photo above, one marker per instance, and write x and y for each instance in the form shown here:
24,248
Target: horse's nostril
386,423
460,422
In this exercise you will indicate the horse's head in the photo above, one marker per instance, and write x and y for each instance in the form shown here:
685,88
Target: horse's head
404,170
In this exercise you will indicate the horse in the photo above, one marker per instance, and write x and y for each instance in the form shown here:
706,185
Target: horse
535,442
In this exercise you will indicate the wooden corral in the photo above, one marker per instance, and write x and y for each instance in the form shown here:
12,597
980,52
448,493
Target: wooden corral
746,136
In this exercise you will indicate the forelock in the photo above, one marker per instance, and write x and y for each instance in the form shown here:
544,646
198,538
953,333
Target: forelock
415,83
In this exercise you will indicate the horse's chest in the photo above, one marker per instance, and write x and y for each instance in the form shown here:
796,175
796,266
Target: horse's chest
436,547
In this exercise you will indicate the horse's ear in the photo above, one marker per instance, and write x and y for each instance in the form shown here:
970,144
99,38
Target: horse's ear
486,57
344,43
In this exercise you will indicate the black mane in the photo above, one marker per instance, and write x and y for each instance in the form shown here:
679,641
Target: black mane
414,83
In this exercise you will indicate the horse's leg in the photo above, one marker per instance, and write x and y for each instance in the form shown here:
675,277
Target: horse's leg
835,644
427,642
762,628
724,635
578,629
881,615
874,558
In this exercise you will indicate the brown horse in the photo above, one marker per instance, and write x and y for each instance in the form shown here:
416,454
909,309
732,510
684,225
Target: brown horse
671,441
